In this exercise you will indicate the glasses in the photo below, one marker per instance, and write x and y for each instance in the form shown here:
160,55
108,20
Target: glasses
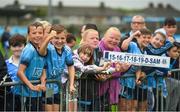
135,22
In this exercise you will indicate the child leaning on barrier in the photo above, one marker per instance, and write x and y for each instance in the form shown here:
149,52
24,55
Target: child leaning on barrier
173,87
17,43
158,46
57,56
165,86
131,93
32,67
83,65
83,62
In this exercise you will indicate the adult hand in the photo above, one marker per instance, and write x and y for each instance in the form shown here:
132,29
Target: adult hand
107,65
122,67
102,77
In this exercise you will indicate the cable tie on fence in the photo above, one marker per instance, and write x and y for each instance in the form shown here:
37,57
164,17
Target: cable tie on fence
4,79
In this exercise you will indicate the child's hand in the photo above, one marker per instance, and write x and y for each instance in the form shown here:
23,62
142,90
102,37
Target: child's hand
72,89
171,39
139,78
43,87
169,74
107,65
36,87
136,34
52,34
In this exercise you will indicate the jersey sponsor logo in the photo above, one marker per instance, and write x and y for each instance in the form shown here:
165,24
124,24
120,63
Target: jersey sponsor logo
37,73
56,72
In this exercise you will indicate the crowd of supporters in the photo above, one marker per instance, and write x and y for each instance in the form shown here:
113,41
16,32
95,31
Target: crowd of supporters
88,81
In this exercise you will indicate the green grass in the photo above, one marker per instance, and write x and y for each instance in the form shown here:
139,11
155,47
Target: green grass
1,49
78,39
3,52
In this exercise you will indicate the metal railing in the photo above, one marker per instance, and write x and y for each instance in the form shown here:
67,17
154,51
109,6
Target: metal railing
87,99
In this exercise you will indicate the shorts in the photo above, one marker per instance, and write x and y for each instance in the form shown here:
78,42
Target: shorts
134,94
33,103
55,99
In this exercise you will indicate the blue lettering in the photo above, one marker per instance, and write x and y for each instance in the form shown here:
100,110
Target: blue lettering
158,61
151,60
146,60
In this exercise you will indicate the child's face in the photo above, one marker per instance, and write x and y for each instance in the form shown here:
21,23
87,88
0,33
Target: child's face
170,30
157,41
59,40
36,34
173,52
16,50
144,40
72,44
179,50
84,57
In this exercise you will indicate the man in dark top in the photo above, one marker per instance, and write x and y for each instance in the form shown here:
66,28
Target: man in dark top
4,39
137,23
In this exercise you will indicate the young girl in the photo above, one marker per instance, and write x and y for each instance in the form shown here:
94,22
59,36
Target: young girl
83,65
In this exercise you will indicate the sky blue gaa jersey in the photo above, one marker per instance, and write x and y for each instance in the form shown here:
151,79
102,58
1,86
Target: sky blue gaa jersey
35,64
56,64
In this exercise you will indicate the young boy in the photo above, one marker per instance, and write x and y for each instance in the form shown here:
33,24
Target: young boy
173,88
159,44
17,43
32,67
129,92
57,55
71,40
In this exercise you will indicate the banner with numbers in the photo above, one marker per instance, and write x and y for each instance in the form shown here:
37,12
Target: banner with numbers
138,59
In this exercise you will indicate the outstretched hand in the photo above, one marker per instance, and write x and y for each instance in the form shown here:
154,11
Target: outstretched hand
107,65
52,34
122,67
